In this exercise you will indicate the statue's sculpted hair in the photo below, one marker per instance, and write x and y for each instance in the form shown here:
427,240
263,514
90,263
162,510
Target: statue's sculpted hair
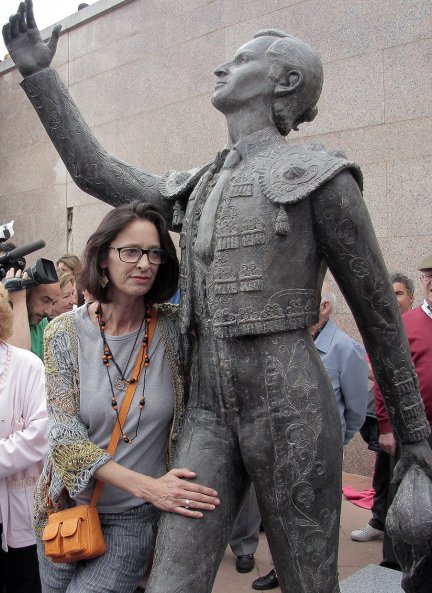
290,53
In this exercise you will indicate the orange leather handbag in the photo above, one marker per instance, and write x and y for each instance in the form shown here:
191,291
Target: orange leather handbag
74,534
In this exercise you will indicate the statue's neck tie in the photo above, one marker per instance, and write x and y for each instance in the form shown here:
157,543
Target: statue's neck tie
208,215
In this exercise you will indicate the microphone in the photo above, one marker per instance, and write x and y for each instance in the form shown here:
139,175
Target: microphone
22,251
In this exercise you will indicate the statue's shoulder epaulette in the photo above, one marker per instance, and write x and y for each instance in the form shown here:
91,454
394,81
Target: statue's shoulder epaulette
175,184
289,173
168,310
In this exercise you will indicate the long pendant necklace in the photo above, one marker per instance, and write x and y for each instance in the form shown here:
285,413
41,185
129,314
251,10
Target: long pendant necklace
122,383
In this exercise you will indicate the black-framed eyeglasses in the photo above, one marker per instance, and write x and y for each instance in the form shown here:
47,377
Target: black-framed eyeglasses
132,255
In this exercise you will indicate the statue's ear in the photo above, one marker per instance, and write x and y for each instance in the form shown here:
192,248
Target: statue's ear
289,83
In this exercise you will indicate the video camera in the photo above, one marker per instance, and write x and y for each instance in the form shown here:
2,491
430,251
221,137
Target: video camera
43,272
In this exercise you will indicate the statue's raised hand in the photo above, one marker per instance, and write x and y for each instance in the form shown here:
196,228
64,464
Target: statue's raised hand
24,42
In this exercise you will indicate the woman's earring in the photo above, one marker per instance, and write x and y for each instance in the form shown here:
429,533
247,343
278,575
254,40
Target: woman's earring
103,279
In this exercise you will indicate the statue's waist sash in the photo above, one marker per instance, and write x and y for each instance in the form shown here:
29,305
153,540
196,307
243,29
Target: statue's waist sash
288,309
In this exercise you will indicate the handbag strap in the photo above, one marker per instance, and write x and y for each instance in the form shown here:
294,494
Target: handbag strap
124,409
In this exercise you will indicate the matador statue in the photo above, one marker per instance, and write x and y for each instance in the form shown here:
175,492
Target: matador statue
259,227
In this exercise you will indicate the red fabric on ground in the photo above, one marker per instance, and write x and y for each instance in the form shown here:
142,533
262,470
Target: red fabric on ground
363,499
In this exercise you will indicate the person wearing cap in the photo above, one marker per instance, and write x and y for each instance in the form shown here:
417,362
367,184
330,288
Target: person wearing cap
418,328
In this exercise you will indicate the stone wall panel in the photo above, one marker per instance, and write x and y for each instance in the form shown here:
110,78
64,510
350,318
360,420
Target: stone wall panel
408,80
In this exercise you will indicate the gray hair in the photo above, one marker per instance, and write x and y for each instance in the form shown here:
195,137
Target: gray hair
329,296
403,279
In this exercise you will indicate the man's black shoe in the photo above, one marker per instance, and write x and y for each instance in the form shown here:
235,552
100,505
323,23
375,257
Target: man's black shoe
245,563
268,581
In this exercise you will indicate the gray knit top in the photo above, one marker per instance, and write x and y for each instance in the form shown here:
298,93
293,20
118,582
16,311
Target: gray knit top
146,454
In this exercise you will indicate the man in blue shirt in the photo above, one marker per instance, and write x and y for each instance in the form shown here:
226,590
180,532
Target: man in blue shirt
344,360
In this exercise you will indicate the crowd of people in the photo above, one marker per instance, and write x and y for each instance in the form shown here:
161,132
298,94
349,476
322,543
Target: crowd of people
35,307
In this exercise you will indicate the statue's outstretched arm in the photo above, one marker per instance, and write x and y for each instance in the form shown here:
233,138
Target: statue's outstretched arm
349,245
92,168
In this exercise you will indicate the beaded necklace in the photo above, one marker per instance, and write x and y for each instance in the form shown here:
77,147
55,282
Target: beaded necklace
122,383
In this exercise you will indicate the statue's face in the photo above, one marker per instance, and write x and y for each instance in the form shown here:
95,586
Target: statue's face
245,79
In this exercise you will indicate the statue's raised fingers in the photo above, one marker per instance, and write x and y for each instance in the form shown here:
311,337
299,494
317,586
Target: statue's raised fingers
7,33
52,43
31,23
22,23
14,25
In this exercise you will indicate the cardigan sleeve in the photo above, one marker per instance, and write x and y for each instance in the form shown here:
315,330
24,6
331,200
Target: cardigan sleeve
74,457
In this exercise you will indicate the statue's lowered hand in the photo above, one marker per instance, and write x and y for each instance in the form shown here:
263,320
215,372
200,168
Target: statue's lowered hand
419,454
24,42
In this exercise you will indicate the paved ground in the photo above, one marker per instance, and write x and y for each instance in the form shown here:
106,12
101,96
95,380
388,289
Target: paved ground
352,555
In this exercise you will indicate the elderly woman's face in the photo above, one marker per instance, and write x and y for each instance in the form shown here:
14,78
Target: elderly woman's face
132,279
67,300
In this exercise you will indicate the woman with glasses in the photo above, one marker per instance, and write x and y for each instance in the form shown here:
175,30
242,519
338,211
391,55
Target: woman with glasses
93,354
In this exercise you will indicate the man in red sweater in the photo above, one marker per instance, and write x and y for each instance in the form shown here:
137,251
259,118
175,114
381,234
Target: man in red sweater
418,327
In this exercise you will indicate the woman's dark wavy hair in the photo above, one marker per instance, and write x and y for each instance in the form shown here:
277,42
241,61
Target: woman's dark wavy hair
96,250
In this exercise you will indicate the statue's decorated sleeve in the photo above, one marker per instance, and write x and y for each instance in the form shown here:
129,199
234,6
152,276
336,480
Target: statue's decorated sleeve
348,244
92,168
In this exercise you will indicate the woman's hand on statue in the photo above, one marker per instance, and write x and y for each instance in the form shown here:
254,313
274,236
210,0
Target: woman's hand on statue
175,494
25,44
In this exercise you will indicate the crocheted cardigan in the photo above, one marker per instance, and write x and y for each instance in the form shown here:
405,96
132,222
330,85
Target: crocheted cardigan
73,459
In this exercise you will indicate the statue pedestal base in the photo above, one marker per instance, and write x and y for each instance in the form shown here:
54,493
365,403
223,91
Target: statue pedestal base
373,579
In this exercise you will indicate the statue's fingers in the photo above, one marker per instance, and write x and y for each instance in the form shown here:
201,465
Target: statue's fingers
401,468
398,474
31,23
22,23
14,25
52,43
7,33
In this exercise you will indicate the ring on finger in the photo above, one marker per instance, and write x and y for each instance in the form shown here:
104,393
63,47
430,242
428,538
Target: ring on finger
187,503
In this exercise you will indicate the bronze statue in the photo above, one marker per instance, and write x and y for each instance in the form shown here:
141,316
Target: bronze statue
258,228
